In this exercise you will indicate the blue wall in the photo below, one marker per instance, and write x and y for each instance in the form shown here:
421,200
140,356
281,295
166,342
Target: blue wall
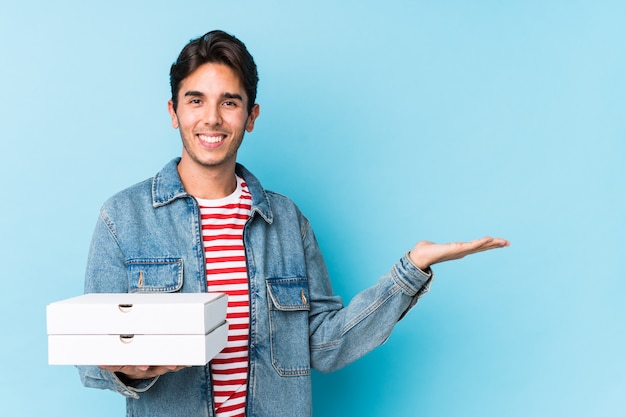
396,121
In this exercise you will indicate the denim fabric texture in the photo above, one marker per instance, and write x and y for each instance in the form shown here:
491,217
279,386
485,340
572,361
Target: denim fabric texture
296,323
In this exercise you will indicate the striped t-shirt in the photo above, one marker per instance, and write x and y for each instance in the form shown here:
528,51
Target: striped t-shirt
222,223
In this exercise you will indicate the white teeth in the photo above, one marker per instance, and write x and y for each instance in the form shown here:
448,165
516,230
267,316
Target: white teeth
210,139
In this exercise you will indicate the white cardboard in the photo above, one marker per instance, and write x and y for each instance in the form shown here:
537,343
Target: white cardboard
137,313
183,350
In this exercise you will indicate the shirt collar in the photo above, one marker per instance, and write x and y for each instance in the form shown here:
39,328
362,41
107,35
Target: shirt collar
167,187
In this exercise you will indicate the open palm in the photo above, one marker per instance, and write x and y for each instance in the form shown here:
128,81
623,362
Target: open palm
426,253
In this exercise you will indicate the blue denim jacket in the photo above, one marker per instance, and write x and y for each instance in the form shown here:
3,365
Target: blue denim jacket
296,322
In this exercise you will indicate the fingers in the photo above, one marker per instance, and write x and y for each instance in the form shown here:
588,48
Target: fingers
493,243
486,243
143,371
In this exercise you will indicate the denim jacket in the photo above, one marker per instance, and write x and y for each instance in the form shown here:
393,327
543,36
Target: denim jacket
296,323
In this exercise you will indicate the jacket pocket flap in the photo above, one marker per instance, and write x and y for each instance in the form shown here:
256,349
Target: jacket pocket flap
289,294
155,275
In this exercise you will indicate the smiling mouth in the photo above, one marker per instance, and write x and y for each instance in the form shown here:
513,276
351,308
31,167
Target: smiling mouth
211,138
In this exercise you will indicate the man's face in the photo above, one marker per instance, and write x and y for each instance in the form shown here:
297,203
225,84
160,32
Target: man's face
212,117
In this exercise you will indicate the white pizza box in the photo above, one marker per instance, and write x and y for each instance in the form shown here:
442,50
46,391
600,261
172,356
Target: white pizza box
137,313
137,349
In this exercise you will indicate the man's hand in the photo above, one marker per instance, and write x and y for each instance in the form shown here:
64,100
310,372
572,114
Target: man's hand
425,254
142,372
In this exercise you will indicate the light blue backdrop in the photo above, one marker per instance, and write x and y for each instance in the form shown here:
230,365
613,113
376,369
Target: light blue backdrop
388,122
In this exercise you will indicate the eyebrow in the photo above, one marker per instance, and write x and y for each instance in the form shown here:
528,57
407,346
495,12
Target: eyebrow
233,96
194,93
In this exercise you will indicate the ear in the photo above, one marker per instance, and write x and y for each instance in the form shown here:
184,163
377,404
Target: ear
254,113
172,112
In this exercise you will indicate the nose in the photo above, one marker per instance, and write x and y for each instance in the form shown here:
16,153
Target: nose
212,115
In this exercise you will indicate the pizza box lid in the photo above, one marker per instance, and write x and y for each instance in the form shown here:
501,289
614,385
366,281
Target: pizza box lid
137,313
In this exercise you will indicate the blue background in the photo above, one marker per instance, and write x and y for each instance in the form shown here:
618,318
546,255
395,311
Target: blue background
387,122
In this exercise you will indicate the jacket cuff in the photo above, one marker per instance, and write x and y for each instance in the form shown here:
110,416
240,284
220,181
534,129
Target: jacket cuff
128,388
412,280
132,386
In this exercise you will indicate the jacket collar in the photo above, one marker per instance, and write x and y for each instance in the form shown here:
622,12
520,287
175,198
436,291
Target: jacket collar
167,187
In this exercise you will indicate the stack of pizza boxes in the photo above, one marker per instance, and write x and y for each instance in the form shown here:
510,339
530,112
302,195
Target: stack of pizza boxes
182,329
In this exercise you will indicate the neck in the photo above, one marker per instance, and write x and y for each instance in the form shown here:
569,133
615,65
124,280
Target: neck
207,183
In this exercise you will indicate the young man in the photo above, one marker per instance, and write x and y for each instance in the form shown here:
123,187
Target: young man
204,223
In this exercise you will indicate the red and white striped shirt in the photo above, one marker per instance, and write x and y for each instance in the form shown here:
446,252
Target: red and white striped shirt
222,223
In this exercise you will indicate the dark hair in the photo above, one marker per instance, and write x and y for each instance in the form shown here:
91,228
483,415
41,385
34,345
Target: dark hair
215,47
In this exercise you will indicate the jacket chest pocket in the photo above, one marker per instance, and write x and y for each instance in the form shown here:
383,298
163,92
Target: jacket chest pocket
155,275
289,325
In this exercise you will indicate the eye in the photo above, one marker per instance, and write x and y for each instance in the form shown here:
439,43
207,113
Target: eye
230,103
195,101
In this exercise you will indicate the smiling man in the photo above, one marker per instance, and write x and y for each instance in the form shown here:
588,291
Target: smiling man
212,216
212,115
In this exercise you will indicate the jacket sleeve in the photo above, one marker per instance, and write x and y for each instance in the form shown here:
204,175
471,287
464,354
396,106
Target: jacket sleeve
106,273
341,334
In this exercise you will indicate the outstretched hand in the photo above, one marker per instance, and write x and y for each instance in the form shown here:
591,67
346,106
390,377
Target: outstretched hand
425,253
